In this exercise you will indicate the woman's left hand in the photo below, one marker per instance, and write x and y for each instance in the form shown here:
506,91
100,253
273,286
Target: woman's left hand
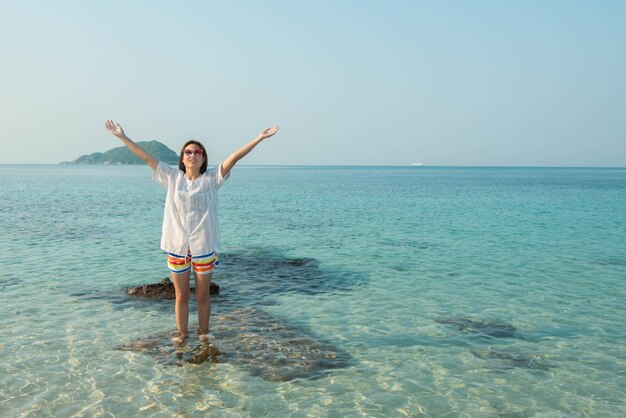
269,132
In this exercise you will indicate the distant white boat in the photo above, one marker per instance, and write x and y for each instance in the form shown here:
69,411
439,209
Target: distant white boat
417,164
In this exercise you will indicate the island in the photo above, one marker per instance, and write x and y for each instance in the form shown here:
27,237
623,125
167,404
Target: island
123,155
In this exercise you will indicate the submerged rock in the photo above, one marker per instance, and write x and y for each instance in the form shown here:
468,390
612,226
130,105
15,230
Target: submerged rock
481,326
496,329
514,359
162,290
260,275
266,274
253,339
166,351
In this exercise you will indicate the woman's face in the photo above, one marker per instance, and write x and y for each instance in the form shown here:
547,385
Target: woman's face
193,156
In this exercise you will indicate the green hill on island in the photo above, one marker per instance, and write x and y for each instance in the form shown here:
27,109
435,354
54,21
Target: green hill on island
122,155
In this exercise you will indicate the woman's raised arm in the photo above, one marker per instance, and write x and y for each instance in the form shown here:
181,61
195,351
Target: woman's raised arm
230,162
116,129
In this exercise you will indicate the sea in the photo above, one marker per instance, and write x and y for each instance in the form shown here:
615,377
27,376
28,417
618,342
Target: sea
344,292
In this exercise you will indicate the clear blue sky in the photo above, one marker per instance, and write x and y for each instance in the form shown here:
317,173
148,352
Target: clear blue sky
350,82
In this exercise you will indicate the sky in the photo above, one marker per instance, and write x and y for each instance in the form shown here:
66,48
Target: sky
470,83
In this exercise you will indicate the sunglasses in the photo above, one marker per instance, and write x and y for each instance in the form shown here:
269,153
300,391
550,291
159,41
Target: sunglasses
189,153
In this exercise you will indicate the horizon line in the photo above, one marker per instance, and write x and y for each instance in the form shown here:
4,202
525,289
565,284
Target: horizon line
347,165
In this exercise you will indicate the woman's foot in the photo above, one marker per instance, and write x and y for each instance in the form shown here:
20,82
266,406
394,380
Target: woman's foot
204,336
180,338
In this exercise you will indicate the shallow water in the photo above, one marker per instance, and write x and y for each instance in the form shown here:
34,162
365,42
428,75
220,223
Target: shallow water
413,272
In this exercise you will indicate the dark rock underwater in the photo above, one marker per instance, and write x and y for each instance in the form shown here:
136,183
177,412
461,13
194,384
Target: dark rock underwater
247,336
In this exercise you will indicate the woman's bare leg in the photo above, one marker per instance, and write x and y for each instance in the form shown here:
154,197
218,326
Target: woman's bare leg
203,283
181,285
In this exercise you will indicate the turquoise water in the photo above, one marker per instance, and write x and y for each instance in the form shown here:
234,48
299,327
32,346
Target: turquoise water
455,291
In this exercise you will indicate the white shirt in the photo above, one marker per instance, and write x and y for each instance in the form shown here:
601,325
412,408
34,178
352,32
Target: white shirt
190,216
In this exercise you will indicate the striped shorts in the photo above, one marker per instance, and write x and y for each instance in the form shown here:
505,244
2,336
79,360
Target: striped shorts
202,264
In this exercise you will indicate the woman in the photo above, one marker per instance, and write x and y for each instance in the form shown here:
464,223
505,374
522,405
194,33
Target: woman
190,232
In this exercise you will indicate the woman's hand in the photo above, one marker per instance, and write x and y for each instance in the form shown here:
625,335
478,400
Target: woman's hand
114,128
268,132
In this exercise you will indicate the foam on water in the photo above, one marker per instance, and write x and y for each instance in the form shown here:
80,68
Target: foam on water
477,291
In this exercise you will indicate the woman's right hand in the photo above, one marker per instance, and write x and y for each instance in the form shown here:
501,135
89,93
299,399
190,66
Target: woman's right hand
114,128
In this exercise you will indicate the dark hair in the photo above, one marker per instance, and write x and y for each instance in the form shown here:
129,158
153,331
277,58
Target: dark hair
181,165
